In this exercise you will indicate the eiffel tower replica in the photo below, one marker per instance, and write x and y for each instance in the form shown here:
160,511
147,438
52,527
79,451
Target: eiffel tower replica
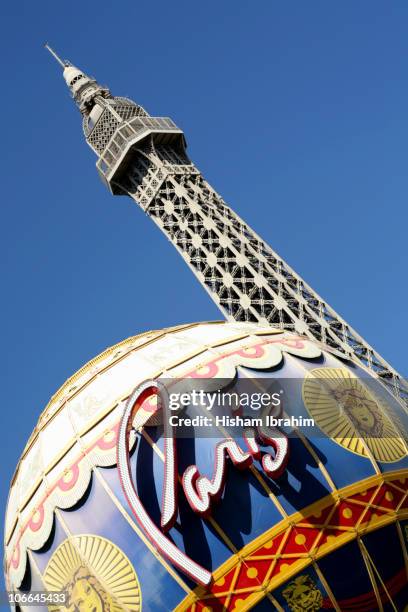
145,158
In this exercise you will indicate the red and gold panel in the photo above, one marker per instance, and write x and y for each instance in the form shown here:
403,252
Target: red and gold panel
301,539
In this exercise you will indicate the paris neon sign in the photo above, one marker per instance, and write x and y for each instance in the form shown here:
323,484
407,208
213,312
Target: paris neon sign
199,490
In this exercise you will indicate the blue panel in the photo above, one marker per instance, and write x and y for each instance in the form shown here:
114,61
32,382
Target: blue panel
198,539
205,547
347,576
264,606
245,510
303,482
344,467
395,465
100,516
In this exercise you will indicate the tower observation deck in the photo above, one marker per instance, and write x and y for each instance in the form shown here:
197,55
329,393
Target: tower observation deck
145,158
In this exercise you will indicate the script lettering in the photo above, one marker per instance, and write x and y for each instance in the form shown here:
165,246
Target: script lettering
200,491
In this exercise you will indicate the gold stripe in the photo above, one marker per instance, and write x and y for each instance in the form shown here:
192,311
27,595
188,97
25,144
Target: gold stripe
327,587
278,552
317,459
233,583
367,563
223,535
369,504
266,488
275,602
403,546
378,575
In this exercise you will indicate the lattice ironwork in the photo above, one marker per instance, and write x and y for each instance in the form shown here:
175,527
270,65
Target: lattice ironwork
244,276
103,131
145,158
127,109
116,110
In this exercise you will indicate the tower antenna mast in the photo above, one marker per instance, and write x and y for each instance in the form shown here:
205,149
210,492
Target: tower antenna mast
61,62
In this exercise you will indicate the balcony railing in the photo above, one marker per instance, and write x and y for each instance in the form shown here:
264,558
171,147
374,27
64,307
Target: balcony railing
130,132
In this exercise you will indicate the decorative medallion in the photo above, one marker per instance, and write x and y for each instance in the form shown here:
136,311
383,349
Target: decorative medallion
303,595
95,574
352,415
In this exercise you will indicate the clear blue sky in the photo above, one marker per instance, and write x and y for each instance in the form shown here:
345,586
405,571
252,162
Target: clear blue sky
296,112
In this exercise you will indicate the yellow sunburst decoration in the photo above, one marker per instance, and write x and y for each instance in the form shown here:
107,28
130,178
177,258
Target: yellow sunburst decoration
94,573
351,415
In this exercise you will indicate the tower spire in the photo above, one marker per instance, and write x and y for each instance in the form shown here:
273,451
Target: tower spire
61,62
84,89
